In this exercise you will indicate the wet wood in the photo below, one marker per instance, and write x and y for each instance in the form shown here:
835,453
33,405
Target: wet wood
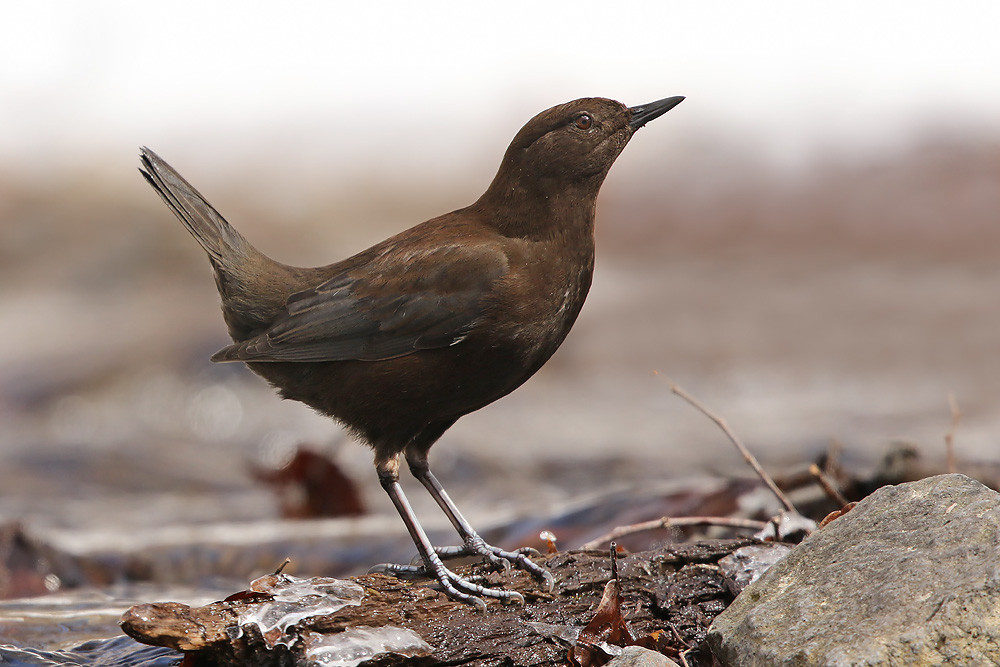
675,589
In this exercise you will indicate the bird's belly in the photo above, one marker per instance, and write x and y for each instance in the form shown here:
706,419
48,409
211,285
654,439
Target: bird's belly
395,398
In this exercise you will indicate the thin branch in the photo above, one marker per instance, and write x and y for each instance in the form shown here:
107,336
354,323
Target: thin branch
747,456
828,485
680,640
674,522
833,452
949,437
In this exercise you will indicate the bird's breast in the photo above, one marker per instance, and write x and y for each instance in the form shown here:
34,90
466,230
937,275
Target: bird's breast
537,304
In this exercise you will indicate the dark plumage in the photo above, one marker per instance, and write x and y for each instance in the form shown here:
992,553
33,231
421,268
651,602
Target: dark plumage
402,339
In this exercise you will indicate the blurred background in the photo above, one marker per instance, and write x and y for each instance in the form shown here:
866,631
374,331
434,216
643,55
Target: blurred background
809,243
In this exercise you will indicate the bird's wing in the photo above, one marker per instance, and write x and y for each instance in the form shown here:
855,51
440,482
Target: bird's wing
401,301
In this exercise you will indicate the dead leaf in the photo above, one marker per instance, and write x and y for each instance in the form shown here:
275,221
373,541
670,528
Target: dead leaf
311,485
837,514
608,627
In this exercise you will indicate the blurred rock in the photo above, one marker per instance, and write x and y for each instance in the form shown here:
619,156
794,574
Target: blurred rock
311,485
910,576
23,566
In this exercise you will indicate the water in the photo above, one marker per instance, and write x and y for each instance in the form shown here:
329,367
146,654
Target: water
114,652
80,627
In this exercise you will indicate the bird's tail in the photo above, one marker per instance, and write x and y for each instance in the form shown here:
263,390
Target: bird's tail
225,246
253,286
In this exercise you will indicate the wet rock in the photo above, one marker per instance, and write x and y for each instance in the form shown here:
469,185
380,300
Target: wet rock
273,604
910,576
745,565
636,656
179,626
666,600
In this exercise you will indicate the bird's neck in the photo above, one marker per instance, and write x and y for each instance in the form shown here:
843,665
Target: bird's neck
521,209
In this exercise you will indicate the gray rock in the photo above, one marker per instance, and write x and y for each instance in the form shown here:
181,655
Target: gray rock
910,576
636,656
745,565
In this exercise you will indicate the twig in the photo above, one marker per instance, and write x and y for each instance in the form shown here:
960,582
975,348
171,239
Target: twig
747,456
949,437
674,522
681,641
827,484
831,464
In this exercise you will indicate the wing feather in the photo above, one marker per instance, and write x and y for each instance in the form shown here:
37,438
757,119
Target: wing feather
391,306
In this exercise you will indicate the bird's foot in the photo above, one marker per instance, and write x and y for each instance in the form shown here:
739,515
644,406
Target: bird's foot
454,586
500,559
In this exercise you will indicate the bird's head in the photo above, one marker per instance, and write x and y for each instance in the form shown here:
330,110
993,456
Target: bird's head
577,141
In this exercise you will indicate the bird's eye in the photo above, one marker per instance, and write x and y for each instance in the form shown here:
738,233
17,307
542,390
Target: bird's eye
583,121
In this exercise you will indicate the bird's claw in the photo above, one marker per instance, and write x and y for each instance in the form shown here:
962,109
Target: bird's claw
466,589
454,586
498,558
399,571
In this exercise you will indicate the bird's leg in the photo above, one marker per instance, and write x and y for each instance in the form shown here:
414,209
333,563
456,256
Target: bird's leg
474,545
454,586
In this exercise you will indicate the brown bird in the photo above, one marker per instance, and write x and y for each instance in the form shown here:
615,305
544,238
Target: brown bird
402,339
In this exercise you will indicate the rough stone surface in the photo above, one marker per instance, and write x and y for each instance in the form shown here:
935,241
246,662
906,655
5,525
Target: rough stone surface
636,656
910,576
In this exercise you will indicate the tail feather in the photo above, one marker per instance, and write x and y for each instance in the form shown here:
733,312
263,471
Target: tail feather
225,246
253,286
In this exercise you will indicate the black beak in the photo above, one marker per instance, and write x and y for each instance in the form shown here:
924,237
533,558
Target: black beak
647,112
